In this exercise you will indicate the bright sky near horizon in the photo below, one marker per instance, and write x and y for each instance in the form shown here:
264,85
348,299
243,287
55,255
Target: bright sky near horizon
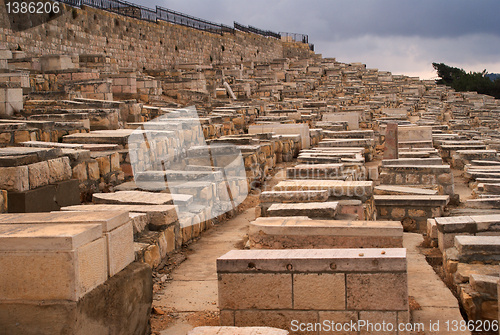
400,36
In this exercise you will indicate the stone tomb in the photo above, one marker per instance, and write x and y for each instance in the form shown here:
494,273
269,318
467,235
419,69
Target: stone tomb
51,261
337,189
116,229
267,198
284,129
319,210
415,136
449,227
312,286
412,210
304,233
352,118
419,175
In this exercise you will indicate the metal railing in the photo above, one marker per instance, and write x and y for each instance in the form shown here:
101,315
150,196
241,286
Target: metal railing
250,29
144,13
171,16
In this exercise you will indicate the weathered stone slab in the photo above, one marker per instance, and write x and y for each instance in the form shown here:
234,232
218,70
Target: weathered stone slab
478,248
415,133
160,216
412,200
399,190
283,129
483,203
309,209
72,254
449,227
119,137
16,156
293,196
484,284
294,233
133,198
178,176
352,118
351,142
487,223
457,224
391,145
319,260
336,188
413,161
109,220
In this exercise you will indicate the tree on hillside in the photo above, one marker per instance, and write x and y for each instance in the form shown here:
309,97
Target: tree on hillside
462,81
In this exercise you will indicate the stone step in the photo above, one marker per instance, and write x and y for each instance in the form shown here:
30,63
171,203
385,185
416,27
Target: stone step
309,209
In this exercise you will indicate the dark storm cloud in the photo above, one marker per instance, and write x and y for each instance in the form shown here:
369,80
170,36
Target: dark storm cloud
401,36
344,19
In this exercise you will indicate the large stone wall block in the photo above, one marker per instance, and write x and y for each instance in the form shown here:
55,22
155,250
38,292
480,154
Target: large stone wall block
377,291
319,291
244,291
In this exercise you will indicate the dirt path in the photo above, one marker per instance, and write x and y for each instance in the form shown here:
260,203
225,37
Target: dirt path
190,298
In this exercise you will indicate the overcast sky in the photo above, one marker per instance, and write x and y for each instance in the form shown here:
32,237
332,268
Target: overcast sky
400,36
